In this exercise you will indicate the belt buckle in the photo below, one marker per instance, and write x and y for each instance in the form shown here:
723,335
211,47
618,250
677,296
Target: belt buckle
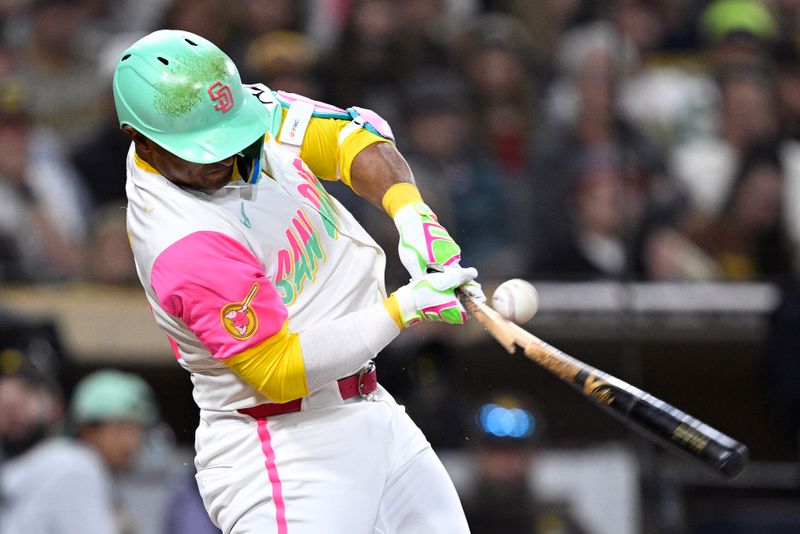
368,368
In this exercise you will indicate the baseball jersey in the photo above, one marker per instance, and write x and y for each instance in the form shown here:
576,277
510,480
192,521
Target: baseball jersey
227,271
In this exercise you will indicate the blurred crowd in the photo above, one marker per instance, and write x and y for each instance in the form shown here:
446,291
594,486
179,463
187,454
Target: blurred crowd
556,139
69,449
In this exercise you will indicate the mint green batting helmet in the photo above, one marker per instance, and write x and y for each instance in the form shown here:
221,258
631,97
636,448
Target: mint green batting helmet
112,395
181,91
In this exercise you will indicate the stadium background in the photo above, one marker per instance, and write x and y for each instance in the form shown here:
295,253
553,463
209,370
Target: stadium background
638,160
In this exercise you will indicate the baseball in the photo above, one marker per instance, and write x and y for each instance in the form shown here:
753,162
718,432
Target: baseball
516,300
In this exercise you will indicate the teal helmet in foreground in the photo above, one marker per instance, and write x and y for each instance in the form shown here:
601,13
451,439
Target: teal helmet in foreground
112,395
181,91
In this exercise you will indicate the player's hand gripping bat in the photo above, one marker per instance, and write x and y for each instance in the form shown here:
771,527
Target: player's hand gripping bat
637,409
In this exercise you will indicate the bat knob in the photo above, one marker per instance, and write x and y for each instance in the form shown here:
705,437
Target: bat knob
733,462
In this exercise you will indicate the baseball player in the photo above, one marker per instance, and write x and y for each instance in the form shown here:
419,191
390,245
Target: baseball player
273,297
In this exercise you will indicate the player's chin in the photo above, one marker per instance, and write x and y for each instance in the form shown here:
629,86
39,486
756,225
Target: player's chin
215,179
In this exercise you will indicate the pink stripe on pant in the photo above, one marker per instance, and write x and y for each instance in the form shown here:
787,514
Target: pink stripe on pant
272,472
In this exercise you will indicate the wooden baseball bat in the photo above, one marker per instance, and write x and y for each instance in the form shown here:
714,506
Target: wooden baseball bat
637,409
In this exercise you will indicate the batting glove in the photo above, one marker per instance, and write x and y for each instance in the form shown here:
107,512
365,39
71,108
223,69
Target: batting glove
423,241
474,291
471,288
432,297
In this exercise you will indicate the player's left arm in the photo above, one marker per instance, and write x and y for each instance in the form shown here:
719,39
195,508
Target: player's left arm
357,147
380,174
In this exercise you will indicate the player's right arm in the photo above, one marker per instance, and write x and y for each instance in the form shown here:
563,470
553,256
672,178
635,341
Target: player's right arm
230,305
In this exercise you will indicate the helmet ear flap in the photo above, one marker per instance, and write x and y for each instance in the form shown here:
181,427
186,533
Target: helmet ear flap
249,162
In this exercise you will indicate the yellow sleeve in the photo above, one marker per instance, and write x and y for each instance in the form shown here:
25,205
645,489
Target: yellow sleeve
323,154
275,367
393,307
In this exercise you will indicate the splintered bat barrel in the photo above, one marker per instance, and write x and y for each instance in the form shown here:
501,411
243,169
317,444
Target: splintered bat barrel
653,418
644,413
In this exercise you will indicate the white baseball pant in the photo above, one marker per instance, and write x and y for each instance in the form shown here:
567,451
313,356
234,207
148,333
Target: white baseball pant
354,467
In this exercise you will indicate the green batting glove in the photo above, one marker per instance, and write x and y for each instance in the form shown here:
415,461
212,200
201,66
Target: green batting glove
423,241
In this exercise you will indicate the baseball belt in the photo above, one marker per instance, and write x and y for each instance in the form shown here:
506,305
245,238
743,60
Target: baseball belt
362,383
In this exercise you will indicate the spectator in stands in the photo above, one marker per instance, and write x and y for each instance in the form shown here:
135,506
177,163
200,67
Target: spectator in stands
739,36
670,96
451,166
284,60
364,66
61,86
787,83
108,258
495,56
508,432
426,34
109,413
680,34
748,239
43,205
104,20
97,156
786,14
593,150
787,79
549,21
676,98
257,17
213,19
30,403
59,485
591,62
707,165
603,212
48,484
738,33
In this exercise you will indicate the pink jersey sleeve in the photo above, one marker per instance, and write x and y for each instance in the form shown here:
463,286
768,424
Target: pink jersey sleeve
219,290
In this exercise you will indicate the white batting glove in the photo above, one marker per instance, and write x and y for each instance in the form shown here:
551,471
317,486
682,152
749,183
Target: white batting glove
423,241
474,291
432,297
471,288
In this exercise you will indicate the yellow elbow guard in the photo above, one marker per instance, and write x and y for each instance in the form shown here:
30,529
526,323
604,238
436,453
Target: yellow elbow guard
275,368
400,195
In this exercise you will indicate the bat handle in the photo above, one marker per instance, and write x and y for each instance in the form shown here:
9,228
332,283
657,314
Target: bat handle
434,268
489,319
438,268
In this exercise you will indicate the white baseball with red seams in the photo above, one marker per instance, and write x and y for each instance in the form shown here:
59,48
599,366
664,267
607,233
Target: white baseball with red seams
516,300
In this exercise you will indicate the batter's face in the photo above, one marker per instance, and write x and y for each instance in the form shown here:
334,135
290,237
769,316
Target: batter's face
210,176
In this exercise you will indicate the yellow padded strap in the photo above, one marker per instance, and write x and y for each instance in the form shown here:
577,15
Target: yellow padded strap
322,152
350,148
275,367
400,195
